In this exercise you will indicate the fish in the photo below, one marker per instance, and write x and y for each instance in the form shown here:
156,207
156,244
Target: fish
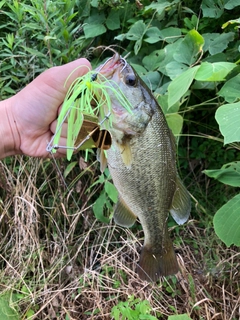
142,164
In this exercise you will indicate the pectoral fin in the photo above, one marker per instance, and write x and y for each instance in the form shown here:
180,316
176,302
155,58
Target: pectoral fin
101,157
123,216
126,153
181,205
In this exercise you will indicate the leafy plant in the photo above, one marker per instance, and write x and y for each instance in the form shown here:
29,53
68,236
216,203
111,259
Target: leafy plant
7,312
132,309
226,218
107,196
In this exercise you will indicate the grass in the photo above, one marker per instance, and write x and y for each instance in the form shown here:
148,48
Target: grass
59,262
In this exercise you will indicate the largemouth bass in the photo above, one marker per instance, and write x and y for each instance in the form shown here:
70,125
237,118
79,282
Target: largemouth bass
142,163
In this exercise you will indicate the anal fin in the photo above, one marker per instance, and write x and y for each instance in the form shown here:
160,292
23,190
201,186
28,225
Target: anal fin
123,216
181,204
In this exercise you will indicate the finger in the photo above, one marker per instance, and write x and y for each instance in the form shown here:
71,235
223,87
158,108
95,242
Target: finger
64,128
56,81
66,74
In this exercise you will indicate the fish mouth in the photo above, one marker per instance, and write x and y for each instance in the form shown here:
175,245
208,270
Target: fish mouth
111,65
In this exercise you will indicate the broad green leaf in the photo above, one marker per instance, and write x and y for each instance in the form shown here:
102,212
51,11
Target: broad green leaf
6,312
179,86
167,55
163,102
153,35
137,46
231,4
111,191
153,60
84,9
214,71
136,31
168,35
228,118
206,85
98,208
231,90
120,37
171,34
236,21
113,20
212,9
174,69
175,122
227,222
216,42
152,79
96,17
139,69
94,3
188,49
218,57
159,7
93,30
229,174
93,25
180,317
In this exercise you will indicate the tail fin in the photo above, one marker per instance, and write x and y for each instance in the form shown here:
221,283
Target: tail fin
153,265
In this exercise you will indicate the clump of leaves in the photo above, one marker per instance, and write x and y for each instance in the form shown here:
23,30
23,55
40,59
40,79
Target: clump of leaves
132,309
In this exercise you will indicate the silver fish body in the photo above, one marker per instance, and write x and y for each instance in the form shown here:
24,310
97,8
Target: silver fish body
142,164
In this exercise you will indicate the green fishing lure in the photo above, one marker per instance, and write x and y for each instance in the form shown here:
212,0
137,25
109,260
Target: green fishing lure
86,97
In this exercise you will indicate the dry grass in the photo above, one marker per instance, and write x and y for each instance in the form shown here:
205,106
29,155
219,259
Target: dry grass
63,264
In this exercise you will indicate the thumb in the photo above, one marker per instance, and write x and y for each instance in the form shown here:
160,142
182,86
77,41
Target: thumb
66,74
57,80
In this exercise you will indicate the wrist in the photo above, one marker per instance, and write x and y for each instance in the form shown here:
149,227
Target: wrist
9,135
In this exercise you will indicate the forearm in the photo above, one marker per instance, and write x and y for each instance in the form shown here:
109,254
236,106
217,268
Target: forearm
9,136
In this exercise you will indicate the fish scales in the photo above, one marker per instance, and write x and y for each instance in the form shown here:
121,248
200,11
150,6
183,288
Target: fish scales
143,168
141,185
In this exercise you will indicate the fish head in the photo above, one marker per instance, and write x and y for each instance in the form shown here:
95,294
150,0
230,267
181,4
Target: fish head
122,80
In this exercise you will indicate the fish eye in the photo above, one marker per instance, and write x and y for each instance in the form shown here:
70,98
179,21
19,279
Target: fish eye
130,79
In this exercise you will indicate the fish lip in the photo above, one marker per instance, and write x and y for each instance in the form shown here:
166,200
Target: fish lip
111,65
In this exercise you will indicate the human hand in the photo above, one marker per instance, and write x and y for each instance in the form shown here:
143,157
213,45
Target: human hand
32,113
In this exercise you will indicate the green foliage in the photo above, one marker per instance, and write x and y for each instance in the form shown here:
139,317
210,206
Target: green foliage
229,174
7,311
228,117
103,203
226,218
179,317
227,222
132,309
